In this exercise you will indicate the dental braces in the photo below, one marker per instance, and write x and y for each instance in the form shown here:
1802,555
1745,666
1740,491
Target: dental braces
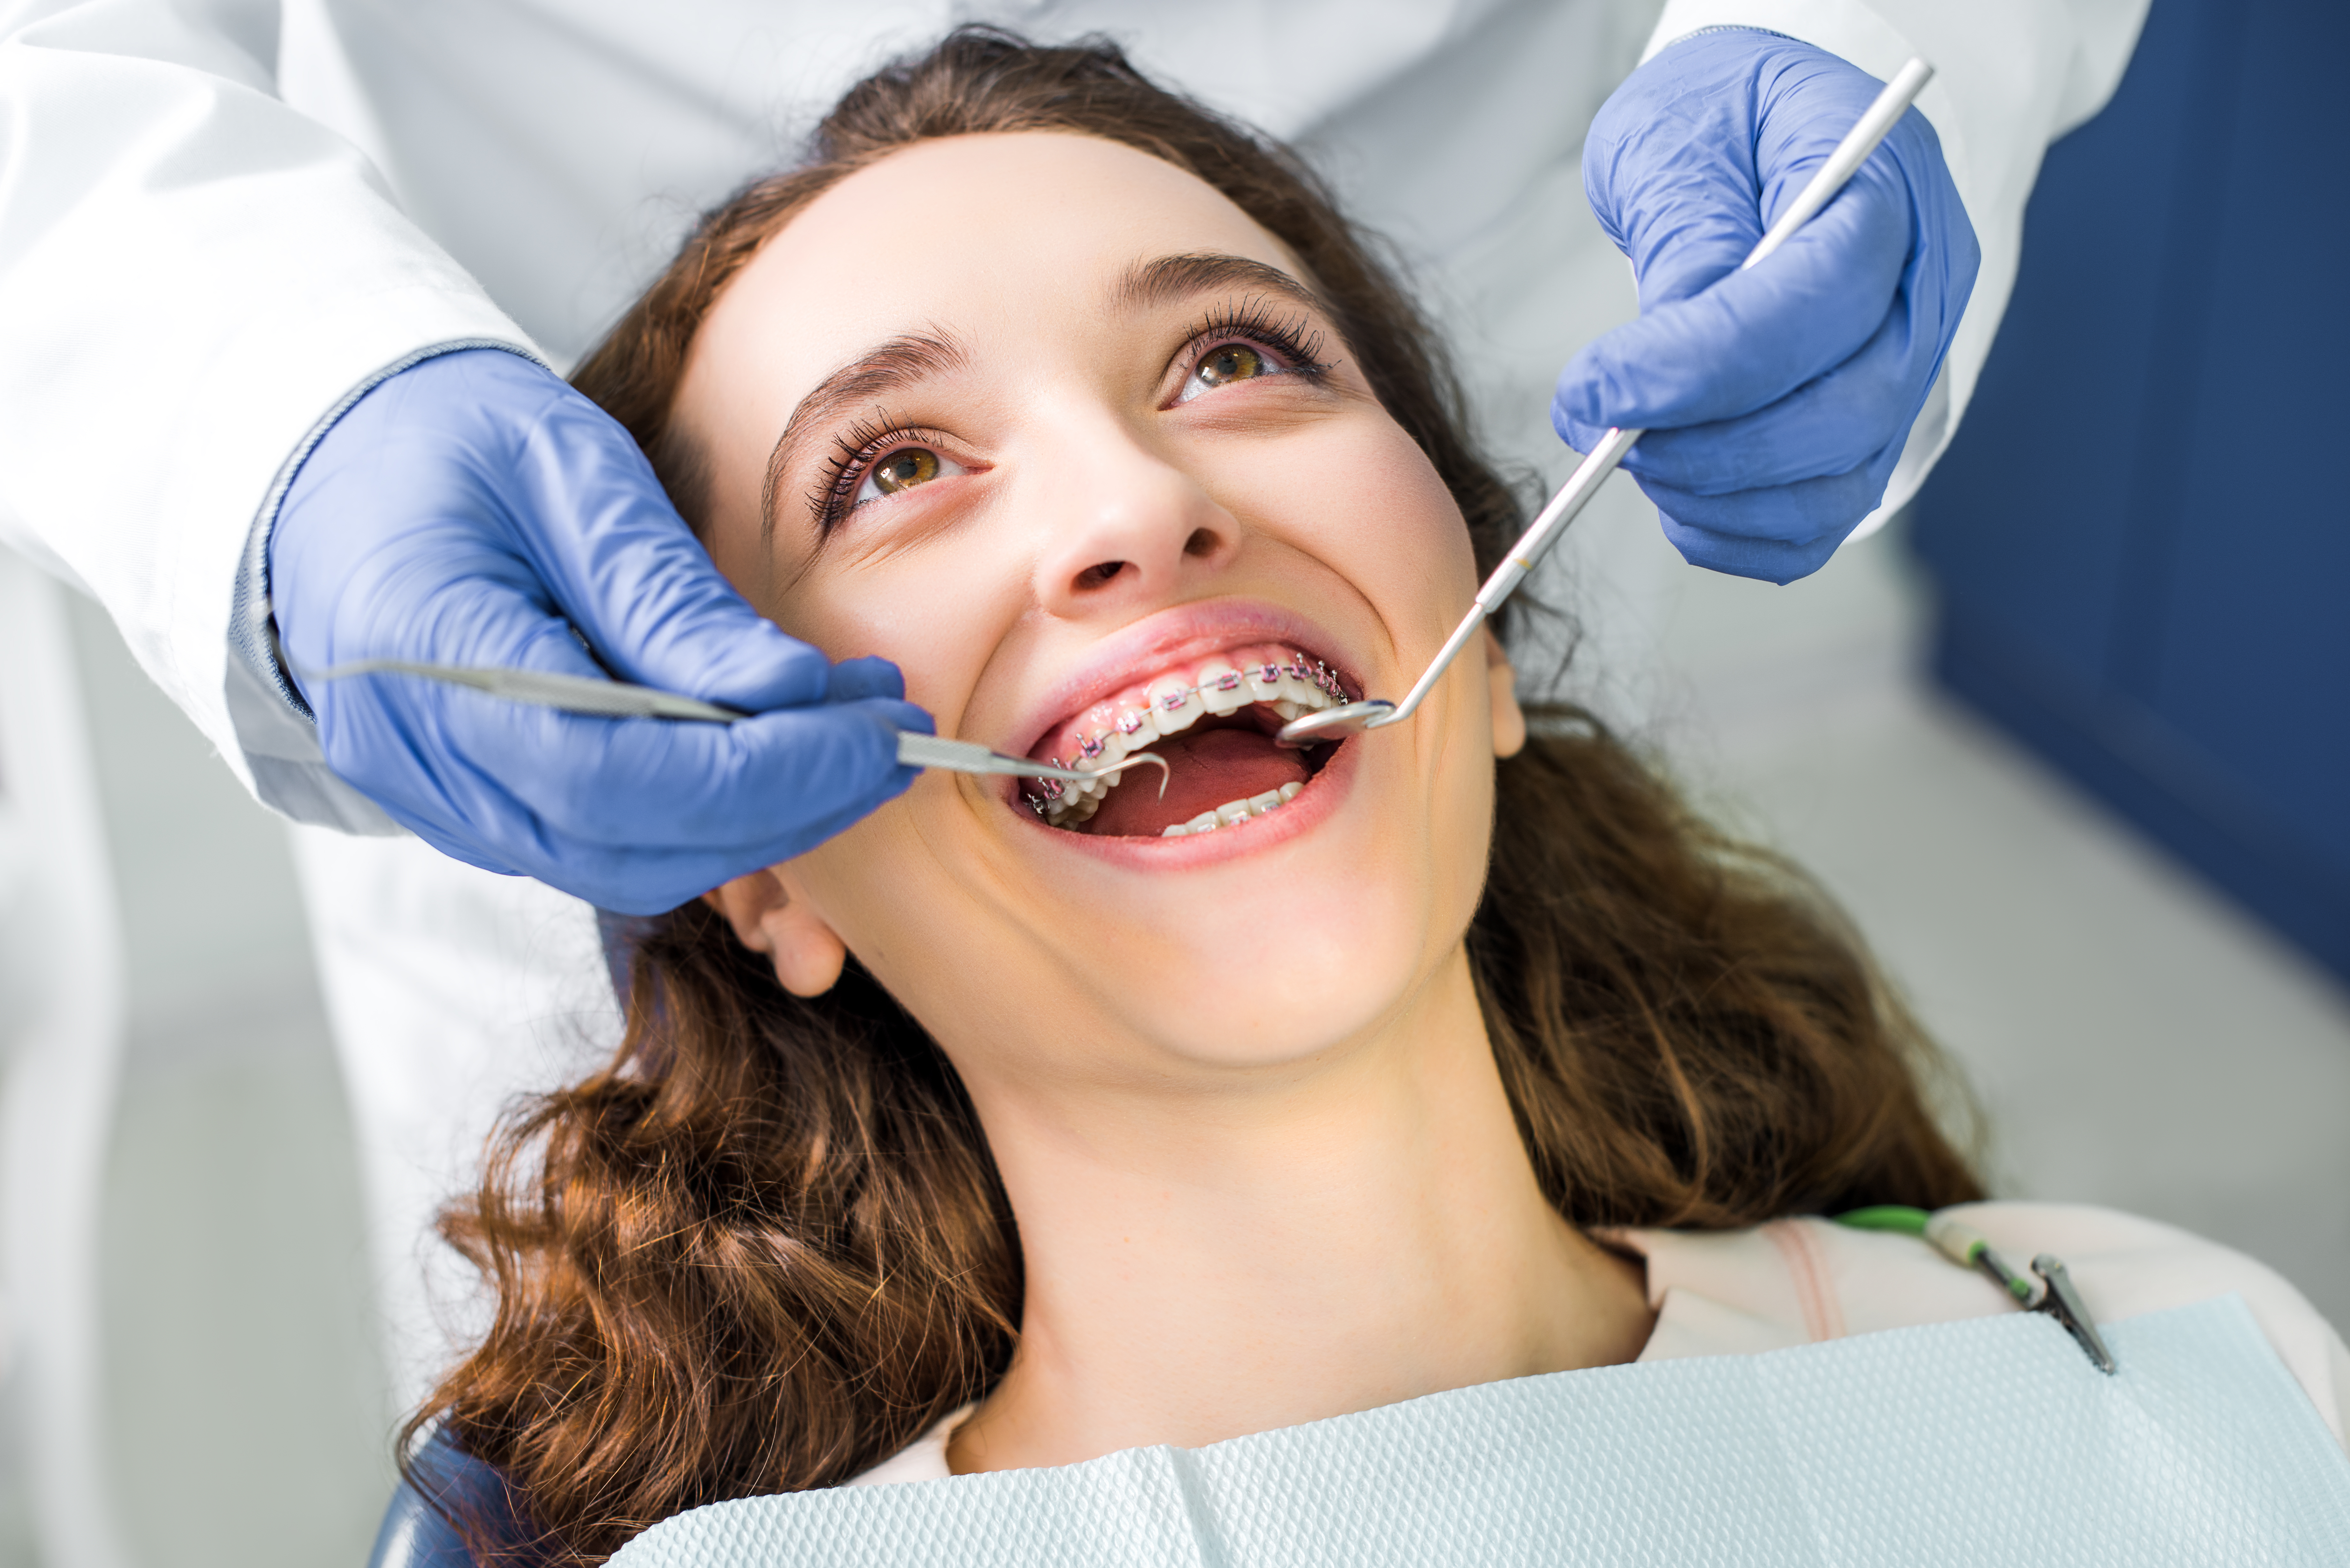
1320,676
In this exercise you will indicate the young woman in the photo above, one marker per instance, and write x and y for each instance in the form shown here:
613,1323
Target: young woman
1011,1129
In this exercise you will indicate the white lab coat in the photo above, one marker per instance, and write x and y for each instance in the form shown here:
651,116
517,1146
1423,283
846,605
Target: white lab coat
222,220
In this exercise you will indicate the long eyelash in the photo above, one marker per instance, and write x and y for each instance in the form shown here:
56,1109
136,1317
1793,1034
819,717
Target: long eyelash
1294,337
854,451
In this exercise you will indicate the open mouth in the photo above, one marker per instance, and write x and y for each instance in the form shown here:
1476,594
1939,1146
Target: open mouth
1213,724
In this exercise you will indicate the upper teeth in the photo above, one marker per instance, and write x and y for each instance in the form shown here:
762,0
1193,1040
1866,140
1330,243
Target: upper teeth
1288,688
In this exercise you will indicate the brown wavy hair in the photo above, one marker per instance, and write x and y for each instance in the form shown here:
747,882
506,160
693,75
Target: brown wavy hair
766,1247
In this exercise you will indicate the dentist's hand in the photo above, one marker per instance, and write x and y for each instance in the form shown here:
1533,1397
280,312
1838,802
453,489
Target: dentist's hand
1776,400
474,509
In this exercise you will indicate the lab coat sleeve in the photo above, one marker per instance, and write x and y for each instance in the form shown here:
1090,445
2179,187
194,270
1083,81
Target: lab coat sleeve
2010,76
194,279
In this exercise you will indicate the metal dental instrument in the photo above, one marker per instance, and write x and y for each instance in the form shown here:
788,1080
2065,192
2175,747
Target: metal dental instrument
619,700
1373,713
2047,1289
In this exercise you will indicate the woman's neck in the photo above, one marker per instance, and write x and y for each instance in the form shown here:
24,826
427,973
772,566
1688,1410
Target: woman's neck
1201,1265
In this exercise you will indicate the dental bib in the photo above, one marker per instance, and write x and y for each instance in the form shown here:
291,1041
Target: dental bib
1987,1441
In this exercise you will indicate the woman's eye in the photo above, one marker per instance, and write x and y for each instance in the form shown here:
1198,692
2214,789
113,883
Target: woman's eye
1220,366
902,469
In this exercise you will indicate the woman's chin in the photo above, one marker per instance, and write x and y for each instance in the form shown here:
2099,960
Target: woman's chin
1262,941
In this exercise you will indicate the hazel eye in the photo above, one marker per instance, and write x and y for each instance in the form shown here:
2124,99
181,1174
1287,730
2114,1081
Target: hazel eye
1220,366
903,469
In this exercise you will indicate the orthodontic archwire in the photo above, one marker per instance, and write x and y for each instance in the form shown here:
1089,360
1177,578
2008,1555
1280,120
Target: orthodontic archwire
1321,677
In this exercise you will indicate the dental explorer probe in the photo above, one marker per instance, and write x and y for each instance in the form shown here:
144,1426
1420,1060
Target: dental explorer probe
1374,713
620,699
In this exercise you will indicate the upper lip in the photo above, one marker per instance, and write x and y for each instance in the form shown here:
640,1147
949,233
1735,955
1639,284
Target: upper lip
1179,635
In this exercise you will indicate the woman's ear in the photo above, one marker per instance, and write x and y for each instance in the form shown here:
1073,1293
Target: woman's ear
806,953
1509,718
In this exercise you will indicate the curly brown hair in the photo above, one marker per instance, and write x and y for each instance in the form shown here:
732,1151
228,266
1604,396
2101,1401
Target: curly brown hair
766,1247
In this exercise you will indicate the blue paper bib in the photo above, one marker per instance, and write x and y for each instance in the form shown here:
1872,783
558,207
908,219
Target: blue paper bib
1991,1441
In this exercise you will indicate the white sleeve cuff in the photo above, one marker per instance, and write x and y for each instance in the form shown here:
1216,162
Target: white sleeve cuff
276,731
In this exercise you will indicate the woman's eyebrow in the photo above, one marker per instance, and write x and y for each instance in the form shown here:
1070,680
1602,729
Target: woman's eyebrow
1167,279
892,368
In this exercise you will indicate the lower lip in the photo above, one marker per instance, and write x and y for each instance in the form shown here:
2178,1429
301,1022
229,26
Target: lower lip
1319,798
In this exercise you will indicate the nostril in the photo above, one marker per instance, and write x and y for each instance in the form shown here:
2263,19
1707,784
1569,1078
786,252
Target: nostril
1202,542
1099,575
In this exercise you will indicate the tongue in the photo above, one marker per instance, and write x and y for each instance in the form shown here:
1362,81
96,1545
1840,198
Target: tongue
1205,770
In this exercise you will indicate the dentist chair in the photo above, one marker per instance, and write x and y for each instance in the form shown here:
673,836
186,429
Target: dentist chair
416,1534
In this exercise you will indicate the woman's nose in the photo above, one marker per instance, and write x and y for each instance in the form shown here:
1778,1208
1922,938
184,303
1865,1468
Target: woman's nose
1125,526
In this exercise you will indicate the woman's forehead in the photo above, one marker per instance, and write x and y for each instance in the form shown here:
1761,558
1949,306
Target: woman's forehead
971,237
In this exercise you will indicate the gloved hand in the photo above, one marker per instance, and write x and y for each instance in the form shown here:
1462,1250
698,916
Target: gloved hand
474,509
1776,400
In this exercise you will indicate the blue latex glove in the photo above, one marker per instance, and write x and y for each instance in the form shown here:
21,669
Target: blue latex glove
1776,400
474,509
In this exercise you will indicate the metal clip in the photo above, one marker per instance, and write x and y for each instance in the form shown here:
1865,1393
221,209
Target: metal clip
2048,1288
2060,1301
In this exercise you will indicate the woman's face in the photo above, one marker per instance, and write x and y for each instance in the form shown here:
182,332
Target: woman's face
1061,431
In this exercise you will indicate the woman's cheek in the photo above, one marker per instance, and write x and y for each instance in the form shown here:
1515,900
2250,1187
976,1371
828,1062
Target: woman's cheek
921,612
1399,528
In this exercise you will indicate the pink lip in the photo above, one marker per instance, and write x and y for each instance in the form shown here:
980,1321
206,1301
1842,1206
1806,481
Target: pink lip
1173,635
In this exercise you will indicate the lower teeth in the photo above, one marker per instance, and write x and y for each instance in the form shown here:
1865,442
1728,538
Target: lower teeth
1234,813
